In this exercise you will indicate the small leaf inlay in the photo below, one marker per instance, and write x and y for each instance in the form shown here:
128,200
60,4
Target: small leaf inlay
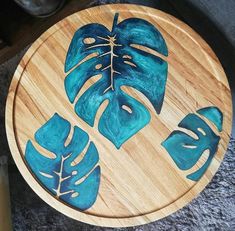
185,150
58,175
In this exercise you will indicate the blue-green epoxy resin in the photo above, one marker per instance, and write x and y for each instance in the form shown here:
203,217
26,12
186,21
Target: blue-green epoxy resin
75,184
214,115
120,64
186,150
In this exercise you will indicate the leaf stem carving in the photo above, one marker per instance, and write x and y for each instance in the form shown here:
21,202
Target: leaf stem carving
61,179
112,44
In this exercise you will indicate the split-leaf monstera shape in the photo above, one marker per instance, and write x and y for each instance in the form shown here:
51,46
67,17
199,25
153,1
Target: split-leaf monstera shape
186,150
120,63
75,183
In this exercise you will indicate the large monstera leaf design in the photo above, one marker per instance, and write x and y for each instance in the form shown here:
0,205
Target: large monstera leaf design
186,150
119,58
69,180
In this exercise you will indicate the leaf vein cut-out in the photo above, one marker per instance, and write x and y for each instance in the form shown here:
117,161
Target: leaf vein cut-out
61,179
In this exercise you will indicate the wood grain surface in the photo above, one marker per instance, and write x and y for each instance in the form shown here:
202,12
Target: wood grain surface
140,183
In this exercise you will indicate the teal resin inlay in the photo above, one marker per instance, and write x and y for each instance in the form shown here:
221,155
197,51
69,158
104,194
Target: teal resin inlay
75,184
120,64
214,115
186,150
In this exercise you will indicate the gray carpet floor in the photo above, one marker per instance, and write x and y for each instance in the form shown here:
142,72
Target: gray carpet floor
213,209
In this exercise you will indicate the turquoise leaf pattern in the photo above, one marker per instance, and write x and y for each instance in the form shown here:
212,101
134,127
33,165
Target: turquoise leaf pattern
76,184
186,150
120,62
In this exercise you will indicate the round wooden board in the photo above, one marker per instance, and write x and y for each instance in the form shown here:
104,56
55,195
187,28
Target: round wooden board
139,182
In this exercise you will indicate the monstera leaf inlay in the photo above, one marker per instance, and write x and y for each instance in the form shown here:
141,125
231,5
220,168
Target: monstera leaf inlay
72,181
186,150
119,58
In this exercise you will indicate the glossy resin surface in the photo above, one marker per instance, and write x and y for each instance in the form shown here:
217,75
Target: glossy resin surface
186,150
74,182
120,61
